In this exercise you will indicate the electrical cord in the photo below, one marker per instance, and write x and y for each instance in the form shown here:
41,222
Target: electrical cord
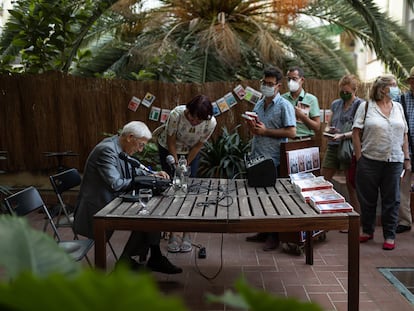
207,277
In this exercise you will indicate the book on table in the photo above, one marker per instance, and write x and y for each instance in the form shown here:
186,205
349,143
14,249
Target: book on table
326,198
343,207
306,195
300,176
311,184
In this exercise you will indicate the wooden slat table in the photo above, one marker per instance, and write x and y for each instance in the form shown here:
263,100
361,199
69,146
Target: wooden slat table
230,206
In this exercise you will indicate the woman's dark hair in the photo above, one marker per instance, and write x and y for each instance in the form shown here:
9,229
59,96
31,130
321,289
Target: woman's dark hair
200,107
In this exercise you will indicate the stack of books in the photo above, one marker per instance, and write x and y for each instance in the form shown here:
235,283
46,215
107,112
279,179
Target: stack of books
319,193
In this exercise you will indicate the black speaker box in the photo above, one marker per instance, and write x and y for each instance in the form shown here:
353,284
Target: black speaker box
260,172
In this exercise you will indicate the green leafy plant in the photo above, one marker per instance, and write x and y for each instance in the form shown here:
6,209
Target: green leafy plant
248,298
44,277
224,156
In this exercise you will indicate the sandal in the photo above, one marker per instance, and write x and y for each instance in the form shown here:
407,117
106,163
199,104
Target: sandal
186,246
173,245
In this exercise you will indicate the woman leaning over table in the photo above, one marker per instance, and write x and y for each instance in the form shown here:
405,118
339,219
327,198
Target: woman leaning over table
187,129
382,154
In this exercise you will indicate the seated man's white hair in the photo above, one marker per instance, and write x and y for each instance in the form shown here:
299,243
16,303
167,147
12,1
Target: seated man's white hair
138,129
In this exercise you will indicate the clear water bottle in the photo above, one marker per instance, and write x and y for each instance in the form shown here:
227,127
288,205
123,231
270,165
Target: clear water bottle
182,164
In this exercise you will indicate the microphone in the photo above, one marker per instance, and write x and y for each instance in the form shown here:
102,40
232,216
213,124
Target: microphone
134,162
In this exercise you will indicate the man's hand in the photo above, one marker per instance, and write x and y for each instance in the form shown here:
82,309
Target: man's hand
259,129
300,115
162,174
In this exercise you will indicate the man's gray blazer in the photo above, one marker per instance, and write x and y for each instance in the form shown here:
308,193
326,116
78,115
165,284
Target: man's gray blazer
103,180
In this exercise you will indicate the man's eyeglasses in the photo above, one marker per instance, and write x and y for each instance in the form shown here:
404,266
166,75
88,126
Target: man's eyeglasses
270,84
140,144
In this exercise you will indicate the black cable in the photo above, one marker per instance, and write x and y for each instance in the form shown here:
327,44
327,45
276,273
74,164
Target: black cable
221,262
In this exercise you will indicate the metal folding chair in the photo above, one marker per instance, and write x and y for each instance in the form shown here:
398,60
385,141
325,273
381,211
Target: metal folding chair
29,200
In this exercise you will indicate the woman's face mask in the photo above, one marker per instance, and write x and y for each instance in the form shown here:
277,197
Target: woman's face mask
267,91
394,92
345,96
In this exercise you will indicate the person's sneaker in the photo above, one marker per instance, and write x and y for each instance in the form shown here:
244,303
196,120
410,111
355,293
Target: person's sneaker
402,228
258,237
163,265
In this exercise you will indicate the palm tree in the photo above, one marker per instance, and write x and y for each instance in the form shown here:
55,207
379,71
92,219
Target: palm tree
210,40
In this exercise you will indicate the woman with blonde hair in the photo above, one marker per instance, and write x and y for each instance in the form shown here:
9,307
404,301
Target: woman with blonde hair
381,149
340,126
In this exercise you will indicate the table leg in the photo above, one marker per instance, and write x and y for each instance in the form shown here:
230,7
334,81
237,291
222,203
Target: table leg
353,263
100,243
309,247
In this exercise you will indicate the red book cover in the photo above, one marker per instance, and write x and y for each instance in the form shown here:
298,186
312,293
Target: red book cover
325,198
312,184
343,207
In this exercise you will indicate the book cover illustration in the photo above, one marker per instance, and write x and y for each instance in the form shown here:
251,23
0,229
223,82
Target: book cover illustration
222,104
306,195
252,95
239,91
299,176
134,103
216,109
148,99
312,184
344,207
303,160
154,113
325,198
230,99
165,113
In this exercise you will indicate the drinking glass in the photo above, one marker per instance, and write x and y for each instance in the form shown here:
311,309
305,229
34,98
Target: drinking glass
144,195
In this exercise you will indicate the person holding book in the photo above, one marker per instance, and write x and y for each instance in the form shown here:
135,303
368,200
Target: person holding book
186,130
381,148
275,123
338,128
306,105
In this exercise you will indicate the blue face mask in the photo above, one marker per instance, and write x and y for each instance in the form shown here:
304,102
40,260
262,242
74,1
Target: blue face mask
394,93
267,91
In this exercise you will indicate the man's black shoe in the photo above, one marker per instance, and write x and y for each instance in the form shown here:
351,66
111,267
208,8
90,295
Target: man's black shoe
258,237
163,265
402,228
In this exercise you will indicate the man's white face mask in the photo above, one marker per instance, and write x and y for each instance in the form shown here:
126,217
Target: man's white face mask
293,86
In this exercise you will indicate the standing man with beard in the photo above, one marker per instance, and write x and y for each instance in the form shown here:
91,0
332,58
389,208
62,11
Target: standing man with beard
306,105
276,123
